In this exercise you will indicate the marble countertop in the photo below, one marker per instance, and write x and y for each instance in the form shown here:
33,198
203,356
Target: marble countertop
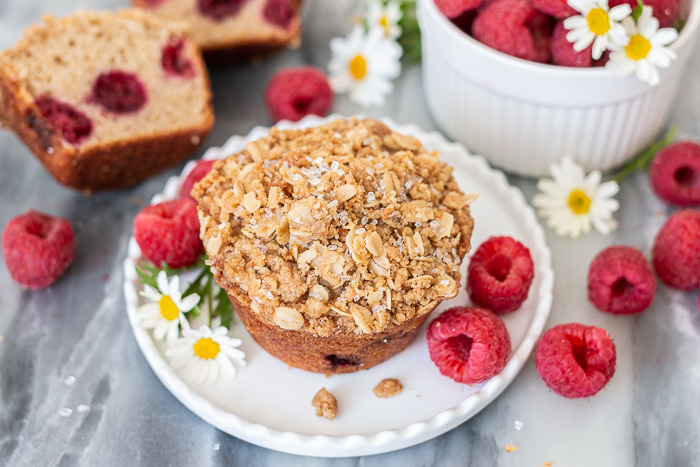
70,345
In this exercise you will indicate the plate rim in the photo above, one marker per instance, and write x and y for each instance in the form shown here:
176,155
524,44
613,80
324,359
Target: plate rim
357,444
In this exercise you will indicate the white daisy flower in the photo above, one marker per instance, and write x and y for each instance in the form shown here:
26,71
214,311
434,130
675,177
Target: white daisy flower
597,24
363,65
572,201
386,17
206,354
646,49
166,313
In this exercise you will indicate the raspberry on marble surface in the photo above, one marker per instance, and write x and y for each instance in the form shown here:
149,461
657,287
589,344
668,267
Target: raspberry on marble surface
37,248
676,250
575,360
674,174
294,93
620,281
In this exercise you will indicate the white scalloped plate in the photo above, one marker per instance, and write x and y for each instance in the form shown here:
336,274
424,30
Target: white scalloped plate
269,403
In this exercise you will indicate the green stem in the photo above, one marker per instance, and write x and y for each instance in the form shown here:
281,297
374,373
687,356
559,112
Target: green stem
642,161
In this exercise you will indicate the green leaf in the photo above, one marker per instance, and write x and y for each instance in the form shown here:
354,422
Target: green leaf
637,11
194,313
410,39
679,24
644,158
147,276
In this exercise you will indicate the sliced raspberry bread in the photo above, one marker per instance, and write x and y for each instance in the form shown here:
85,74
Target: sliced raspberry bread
106,100
234,30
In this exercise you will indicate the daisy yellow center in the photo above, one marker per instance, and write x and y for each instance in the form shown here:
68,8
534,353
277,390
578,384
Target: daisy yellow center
168,309
358,67
579,202
206,349
638,47
384,23
598,21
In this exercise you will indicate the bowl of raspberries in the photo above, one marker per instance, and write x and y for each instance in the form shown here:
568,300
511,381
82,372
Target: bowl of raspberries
526,82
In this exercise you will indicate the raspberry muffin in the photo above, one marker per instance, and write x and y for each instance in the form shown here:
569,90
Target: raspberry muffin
106,100
334,243
233,30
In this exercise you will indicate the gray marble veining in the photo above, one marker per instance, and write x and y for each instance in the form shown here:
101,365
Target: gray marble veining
77,329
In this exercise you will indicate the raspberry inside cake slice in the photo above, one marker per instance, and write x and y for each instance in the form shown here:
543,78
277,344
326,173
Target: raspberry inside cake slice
96,92
228,30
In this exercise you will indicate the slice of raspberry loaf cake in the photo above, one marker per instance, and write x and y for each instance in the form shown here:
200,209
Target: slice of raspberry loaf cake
106,100
234,30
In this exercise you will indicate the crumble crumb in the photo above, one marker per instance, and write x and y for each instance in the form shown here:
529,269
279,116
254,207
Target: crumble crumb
547,464
298,229
389,387
326,404
511,448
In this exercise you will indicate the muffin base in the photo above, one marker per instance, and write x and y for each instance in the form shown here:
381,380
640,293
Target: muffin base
335,354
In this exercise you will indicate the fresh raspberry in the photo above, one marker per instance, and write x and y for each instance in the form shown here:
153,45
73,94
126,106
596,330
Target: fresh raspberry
294,93
75,126
279,12
674,174
666,11
676,250
500,274
38,248
454,8
199,171
563,52
119,92
465,20
169,232
174,61
220,9
603,59
559,9
514,27
468,344
620,281
575,360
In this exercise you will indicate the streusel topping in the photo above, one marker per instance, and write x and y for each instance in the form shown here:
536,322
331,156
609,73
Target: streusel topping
346,227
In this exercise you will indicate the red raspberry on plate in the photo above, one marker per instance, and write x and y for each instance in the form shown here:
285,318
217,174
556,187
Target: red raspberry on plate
38,248
199,171
294,93
676,250
169,232
500,274
454,8
620,281
468,344
563,53
514,27
559,9
666,11
674,174
575,360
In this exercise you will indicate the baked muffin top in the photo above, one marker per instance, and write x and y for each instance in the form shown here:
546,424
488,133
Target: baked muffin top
346,227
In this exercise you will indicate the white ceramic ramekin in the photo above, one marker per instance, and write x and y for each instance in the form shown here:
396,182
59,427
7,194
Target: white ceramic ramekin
523,116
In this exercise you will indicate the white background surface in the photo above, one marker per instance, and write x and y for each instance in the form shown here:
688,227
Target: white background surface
646,416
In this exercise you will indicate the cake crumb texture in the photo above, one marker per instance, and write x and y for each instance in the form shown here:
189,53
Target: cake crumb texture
326,404
389,387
